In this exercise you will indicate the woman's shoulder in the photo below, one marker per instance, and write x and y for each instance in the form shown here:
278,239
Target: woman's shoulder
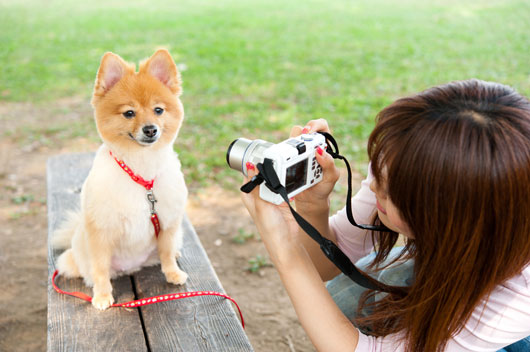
526,275
520,283
509,302
501,319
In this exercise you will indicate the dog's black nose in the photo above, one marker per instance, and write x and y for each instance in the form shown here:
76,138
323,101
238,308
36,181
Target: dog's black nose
150,130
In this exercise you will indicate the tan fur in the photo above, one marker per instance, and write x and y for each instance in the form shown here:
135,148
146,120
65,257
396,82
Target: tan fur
62,237
112,234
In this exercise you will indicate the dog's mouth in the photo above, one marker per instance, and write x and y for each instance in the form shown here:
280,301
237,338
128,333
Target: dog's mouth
144,140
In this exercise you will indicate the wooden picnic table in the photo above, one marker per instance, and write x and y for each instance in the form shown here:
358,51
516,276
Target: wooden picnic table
206,323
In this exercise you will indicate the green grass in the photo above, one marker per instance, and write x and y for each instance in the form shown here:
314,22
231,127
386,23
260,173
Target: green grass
243,236
255,68
258,262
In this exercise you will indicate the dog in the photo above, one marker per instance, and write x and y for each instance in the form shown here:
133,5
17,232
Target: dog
124,223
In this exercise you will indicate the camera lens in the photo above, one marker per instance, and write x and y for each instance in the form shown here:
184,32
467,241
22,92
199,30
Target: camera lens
236,153
244,150
229,150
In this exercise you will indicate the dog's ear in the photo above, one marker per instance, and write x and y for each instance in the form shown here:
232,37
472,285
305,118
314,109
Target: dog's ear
162,67
111,70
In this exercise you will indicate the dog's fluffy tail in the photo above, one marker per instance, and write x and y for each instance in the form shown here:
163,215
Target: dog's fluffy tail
62,237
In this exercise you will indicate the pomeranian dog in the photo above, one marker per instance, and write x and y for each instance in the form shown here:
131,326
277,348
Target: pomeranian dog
133,200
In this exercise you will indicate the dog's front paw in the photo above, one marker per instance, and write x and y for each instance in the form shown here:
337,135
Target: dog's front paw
177,277
102,301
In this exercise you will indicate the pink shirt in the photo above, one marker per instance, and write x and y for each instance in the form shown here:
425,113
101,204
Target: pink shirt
496,323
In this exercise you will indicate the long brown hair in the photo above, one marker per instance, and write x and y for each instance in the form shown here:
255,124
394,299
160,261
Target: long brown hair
457,158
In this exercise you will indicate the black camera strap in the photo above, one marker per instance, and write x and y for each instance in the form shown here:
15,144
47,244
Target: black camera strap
330,249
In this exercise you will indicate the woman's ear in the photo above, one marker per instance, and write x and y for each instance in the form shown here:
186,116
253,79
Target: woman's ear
111,70
162,67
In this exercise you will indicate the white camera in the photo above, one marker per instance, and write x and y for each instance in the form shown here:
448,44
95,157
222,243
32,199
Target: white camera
293,160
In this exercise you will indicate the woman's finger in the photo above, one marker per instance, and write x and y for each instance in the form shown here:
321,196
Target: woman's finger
319,125
295,131
251,171
329,171
249,198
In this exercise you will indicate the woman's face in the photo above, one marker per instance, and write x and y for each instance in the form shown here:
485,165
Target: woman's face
387,211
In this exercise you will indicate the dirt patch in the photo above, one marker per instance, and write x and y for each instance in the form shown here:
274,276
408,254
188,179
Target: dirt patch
22,251
34,133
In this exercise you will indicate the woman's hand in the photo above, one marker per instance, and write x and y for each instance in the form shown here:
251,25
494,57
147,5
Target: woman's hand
275,223
314,197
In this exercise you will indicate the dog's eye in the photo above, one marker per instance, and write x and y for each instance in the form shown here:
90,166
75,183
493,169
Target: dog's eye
159,111
129,114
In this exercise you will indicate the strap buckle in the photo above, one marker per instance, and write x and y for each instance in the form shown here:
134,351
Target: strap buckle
152,199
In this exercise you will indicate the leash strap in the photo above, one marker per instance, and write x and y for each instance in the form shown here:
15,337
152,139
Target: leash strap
268,175
148,185
150,300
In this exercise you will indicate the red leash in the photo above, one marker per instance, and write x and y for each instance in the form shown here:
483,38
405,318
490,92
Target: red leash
150,300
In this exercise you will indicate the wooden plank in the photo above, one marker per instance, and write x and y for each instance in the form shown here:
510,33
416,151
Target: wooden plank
205,323
73,324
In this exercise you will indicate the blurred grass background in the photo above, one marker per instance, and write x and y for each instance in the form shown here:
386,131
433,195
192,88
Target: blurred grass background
255,68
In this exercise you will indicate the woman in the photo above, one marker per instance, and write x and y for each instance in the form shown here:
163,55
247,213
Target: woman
451,172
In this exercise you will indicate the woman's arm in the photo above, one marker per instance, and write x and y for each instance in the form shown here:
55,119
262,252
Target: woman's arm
326,326
316,212
325,268
324,323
